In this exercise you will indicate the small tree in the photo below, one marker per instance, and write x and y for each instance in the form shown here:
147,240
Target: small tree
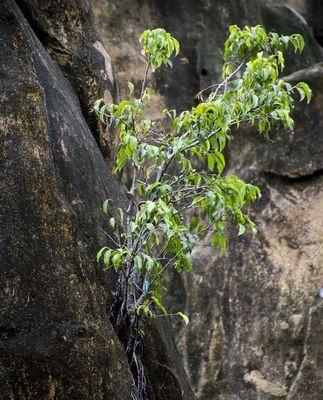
158,232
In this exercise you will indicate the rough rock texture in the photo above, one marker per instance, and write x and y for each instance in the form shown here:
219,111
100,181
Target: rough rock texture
295,155
56,341
67,31
163,364
250,308
256,320
201,27
308,382
312,11
255,330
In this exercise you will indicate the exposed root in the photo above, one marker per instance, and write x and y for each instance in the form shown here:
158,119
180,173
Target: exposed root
128,329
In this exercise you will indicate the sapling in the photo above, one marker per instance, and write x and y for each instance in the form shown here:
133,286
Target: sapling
172,203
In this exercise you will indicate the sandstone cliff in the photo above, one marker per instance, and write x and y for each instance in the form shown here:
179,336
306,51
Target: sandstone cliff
256,322
256,319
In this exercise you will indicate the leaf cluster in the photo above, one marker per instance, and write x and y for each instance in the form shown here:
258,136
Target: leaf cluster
158,46
173,204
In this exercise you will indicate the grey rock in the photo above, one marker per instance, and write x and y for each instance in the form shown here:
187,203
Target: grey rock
56,341
249,309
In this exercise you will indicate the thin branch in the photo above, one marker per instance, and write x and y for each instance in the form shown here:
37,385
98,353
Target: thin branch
143,86
219,85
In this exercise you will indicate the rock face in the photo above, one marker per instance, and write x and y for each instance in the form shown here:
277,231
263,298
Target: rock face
255,330
56,341
256,318
201,27
312,11
68,33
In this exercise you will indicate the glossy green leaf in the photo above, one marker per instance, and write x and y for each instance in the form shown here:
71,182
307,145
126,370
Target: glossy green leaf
184,317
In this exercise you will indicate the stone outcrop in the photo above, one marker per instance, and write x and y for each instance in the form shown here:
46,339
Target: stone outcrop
255,329
56,341
312,11
256,316
68,33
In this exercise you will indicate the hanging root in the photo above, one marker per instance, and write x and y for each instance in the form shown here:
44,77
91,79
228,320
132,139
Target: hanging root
127,328
139,373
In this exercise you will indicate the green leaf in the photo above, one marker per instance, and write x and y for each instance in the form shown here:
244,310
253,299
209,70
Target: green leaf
194,223
121,214
149,263
116,261
141,190
138,262
101,113
133,143
184,317
252,226
99,255
121,159
220,161
188,148
112,222
97,105
105,206
150,206
211,159
242,229
131,88
159,305
220,239
304,89
158,45
153,186
185,262
176,44
106,258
